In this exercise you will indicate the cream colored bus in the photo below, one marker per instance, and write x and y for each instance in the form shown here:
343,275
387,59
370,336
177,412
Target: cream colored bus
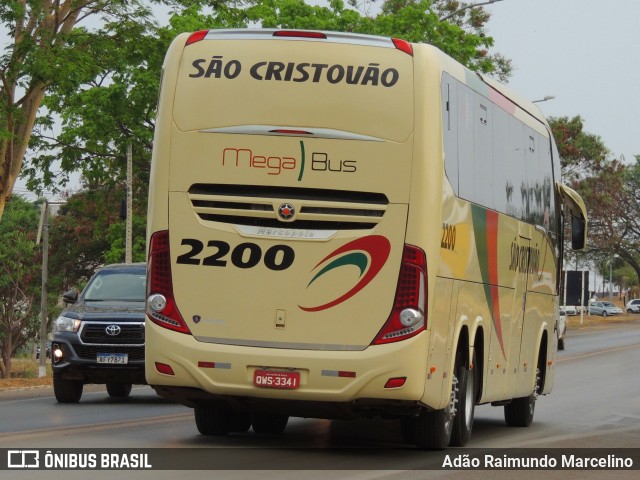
347,226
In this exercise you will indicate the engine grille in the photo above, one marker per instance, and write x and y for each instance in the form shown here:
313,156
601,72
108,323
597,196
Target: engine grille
96,333
317,209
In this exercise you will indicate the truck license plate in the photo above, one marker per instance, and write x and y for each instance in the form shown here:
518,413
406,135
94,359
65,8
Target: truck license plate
113,358
271,379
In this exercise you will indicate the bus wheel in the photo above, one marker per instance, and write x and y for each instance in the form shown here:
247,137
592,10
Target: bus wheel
433,429
269,423
211,419
519,413
466,402
240,422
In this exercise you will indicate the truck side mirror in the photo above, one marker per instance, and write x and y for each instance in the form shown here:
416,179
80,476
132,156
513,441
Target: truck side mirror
70,297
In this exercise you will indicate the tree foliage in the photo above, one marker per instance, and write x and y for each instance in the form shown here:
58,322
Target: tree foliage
51,51
112,104
47,50
609,189
19,279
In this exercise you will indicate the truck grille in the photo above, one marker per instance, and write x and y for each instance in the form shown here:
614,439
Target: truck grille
316,209
125,333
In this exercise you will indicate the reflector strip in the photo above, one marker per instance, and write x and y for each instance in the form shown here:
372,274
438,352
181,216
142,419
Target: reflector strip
226,366
338,373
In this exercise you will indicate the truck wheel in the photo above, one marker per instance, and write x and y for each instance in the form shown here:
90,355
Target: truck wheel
269,423
119,390
67,391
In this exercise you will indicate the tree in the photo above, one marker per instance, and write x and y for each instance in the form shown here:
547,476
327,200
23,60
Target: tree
462,36
19,279
50,50
87,233
115,104
582,154
609,189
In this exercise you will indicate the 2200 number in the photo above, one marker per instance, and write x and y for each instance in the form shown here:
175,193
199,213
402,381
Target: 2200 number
244,255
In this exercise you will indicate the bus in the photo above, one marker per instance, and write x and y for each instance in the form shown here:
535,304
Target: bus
344,226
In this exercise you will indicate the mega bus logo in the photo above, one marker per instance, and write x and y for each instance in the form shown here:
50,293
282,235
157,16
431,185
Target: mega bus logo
278,164
245,157
368,254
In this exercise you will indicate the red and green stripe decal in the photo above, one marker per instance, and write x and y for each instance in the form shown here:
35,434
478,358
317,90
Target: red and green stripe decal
368,254
485,229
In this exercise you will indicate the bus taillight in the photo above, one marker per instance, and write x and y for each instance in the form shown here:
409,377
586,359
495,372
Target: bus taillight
407,318
161,305
300,34
403,46
196,37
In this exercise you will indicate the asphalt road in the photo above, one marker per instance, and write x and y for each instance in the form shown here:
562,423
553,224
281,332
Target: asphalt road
595,403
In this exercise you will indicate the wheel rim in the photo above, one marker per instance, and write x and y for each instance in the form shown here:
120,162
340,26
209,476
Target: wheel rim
451,409
469,400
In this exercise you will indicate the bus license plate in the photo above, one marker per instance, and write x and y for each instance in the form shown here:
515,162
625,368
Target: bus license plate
270,379
113,358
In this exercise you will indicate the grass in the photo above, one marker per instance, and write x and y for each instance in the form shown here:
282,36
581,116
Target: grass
24,374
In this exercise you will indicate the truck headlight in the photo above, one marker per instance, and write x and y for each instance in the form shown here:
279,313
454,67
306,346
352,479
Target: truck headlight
66,324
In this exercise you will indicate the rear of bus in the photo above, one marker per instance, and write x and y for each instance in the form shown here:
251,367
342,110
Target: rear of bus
281,275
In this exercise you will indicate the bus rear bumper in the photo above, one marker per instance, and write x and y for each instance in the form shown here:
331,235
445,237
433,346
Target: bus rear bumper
360,408
379,378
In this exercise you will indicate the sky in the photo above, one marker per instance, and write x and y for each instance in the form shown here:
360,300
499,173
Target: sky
583,52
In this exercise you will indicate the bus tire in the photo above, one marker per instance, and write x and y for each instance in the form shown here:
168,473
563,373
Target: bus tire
269,423
466,402
519,413
434,429
240,422
67,391
212,419
408,429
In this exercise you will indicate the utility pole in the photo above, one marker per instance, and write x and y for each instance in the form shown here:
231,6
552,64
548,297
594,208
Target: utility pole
43,233
129,228
44,228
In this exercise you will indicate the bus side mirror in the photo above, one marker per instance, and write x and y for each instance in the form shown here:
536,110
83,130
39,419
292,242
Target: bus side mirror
578,233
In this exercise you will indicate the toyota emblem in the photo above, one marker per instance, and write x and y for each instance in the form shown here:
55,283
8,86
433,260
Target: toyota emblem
113,330
286,211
